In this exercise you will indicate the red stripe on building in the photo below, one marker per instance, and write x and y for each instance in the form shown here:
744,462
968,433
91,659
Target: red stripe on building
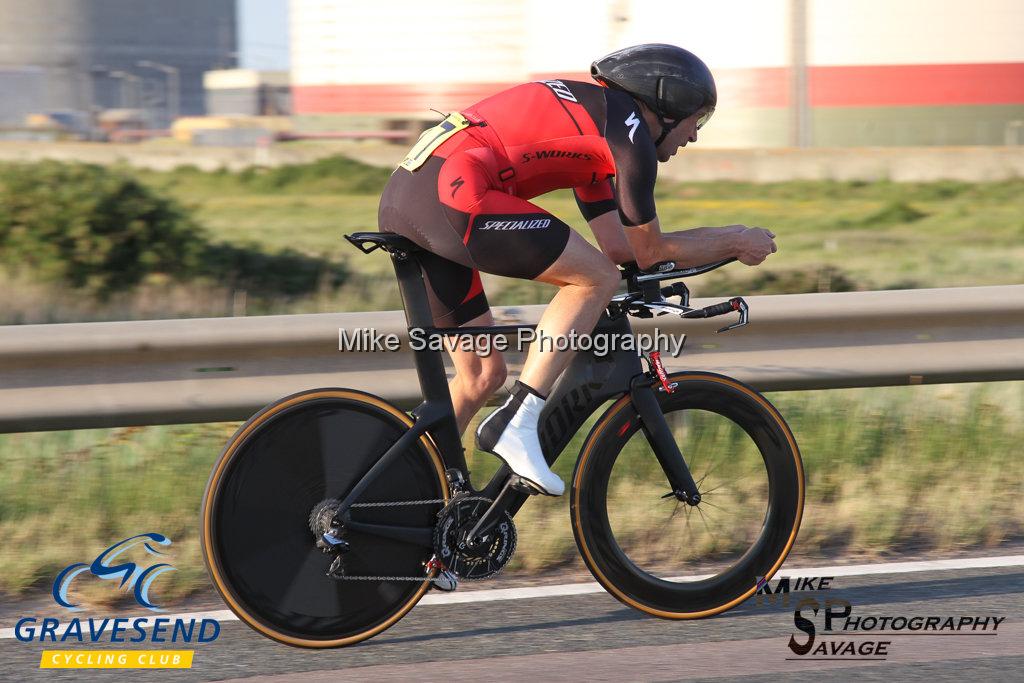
829,86
916,85
767,87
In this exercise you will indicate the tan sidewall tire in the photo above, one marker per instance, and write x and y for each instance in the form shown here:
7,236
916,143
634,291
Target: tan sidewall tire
599,432
210,496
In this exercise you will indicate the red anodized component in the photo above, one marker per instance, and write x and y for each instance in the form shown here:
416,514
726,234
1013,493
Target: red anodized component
659,369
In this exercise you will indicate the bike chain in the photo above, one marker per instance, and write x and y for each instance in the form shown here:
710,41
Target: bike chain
382,504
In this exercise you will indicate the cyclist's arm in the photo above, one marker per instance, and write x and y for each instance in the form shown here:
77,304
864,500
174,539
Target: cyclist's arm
686,247
598,206
644,242
634,194
636,164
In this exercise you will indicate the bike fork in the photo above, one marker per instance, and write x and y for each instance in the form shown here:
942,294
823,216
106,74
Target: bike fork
641,394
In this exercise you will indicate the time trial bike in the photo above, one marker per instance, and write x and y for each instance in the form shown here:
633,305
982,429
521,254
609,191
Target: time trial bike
331,512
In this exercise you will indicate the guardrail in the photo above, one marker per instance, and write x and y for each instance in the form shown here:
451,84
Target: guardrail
78,375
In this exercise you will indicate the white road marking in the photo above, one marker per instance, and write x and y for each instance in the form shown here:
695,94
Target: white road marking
524,593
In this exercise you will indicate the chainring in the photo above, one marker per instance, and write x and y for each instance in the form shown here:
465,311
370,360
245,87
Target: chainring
483,560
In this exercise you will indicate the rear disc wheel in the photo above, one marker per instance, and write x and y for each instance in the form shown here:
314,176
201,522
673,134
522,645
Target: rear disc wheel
277,468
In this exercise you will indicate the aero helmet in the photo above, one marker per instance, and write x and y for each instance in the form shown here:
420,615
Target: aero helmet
673,82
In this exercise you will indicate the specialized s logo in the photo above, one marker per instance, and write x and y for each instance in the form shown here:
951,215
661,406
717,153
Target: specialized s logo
131,574
633,122
456,184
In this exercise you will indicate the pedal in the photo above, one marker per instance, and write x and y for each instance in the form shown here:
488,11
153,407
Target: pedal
524,486
445,581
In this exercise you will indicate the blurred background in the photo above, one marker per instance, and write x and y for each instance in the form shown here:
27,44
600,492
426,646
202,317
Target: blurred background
797,73
202,158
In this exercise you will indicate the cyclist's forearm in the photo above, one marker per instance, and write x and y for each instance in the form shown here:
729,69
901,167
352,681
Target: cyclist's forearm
711,232
699,246
686,247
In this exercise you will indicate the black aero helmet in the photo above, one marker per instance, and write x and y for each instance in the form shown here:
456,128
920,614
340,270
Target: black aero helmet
672,81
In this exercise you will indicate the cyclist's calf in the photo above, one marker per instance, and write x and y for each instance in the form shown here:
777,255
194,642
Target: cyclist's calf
476,379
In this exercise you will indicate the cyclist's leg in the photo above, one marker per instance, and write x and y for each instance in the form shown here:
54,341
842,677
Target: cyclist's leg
465,220
410,206
586,279
476,377
510,236
457,299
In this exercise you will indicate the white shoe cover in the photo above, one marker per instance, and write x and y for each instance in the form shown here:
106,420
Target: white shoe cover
519,445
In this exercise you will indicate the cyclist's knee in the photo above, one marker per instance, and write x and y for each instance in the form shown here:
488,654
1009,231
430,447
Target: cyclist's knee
605,278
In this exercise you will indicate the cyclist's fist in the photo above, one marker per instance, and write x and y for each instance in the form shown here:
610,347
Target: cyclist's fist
754,245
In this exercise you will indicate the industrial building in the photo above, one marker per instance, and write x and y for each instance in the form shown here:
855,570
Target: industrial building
790,72
90,55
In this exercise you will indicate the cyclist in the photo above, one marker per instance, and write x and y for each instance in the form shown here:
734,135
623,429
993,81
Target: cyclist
462,194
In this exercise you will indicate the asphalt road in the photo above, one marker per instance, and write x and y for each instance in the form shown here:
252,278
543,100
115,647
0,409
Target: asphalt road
593,637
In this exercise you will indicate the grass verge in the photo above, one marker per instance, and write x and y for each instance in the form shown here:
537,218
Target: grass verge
888,470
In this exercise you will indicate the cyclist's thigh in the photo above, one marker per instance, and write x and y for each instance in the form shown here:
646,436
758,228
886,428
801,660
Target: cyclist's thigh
509,236
455,292
580,263
501,233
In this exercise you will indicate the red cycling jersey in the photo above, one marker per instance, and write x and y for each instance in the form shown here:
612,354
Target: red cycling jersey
549,135
468,203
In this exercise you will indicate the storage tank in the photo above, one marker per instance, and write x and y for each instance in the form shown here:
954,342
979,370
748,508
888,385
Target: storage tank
89,51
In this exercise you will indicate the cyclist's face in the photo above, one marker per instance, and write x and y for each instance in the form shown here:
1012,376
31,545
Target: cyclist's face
682,134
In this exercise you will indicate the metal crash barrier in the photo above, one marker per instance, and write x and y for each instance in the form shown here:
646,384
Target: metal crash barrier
69,376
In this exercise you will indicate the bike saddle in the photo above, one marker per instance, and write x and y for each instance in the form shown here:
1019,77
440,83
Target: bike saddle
388,241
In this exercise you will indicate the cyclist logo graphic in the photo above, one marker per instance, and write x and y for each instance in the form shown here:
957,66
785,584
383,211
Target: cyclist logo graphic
132,575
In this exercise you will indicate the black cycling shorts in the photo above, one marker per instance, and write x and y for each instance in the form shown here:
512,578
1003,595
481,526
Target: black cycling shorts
477,228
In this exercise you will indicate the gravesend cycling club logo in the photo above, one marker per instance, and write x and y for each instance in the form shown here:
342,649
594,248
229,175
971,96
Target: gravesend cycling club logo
130,566
109,566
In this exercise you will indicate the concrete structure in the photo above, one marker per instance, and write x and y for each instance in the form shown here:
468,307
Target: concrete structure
790,72
89,52
247,92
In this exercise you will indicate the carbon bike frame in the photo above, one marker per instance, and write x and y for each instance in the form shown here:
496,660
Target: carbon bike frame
588,382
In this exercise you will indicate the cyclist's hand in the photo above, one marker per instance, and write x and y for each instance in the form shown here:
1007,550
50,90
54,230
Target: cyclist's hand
755,244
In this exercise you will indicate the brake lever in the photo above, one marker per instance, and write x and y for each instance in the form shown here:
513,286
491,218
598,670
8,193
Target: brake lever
744,317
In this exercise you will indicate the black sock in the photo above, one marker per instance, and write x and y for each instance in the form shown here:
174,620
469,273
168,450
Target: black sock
524,388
